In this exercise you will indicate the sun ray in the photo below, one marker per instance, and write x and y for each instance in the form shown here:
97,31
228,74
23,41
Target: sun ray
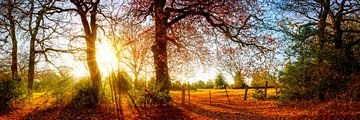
106,60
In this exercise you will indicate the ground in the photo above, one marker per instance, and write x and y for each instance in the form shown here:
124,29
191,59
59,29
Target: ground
199,108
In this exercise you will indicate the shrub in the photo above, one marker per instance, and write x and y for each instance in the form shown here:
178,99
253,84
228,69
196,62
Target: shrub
209,84
52,82
63,88
176,85
8,92
85,95
259,94
283,99
151,96
302,81
199,84
276,97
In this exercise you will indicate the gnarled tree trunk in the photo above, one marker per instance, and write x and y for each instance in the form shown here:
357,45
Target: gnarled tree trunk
95,75
14,52
159,49
90,30
33,34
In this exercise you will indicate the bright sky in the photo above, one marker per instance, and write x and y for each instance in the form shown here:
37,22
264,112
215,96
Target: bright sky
107,61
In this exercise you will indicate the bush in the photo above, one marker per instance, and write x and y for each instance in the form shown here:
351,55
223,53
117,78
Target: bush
259,94
8,93
52,82
242,86
283,99
209,84
199,85
302,81
151,96
176,85
274,97
85,95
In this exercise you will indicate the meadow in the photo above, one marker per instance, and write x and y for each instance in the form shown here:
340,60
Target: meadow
199,108
130,59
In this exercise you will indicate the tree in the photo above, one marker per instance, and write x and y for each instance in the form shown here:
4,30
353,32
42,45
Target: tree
176,85
132,49
232,59
12,21
38,30
83,8
239,81
220,82
325,45
257,80
330,19
28,21
33,31
200,84
209,84
229,17
186,61
260,78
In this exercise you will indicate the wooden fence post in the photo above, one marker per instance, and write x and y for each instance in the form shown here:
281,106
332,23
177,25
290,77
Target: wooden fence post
210,96
266,85
189,92
227,94
183,95
246,91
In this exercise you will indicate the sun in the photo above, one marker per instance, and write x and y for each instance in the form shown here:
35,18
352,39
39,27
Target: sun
106,58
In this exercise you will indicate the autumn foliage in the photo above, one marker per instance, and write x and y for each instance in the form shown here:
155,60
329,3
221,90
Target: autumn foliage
179,59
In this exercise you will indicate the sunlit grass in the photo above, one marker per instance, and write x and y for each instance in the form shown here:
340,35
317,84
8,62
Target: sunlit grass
270,91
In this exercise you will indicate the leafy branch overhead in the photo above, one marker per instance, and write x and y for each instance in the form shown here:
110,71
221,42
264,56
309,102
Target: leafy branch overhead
235,19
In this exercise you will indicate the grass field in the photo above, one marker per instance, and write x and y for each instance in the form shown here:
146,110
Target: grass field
231,92
198,109
237,108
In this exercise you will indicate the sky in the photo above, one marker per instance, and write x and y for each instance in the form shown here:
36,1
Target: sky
107,61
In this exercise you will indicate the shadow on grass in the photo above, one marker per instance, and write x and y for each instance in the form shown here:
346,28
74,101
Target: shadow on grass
103,112
68,112
168,112
223,115
4,111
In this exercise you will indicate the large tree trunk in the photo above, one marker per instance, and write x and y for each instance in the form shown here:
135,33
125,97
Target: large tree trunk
322,39
32,62
90,30
159,49
95,74
136,80
14,52
160,61
14,70
33,33
31,66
